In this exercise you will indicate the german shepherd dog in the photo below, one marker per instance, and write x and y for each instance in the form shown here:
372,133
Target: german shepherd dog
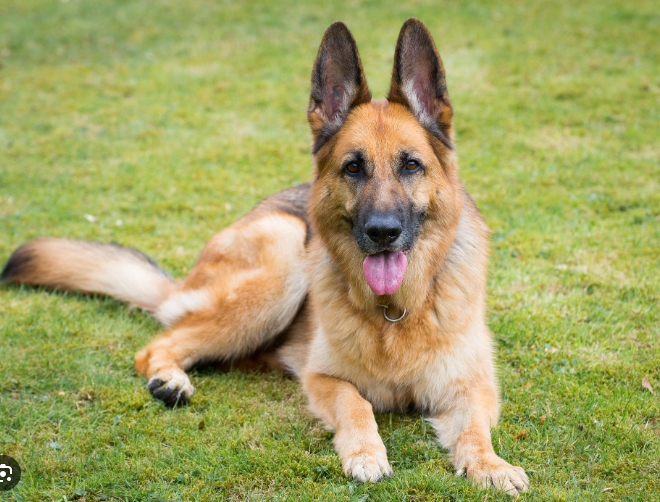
368,284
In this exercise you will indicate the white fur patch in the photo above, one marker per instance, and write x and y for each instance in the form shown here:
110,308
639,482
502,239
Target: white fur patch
129,281
418,109
182,303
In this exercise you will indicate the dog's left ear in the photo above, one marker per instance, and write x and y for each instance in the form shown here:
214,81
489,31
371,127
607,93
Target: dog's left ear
418,80
338,83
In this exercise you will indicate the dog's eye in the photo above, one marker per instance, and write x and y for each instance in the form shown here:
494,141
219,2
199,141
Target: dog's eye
412,165
352,168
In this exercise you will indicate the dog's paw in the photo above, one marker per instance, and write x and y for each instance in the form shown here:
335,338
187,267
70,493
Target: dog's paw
367,466
172,387
495,472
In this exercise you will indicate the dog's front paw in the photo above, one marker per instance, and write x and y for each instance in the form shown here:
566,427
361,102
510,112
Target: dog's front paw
367,465
363,454
173,387
493,471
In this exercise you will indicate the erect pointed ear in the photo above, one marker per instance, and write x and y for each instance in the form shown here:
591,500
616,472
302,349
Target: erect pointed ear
418,80
338,83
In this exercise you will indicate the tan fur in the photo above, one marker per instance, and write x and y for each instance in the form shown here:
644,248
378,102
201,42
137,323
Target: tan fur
252,283
285,286
91,267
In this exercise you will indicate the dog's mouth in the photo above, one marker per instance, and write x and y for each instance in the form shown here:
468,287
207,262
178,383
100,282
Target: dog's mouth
384,271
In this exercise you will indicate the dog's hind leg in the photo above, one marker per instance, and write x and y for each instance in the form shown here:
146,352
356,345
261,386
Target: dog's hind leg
246,289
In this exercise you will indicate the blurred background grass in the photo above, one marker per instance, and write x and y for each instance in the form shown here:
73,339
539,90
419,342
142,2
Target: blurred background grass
154,124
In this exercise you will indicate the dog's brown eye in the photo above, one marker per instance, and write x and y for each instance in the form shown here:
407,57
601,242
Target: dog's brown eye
411,165
352,168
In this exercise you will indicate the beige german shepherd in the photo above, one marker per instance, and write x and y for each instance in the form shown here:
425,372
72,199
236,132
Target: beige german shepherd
368,284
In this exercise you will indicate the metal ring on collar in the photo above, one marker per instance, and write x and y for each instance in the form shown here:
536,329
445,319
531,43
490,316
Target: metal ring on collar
385,307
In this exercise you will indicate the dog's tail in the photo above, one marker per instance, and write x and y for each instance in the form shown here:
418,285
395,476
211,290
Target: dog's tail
123,273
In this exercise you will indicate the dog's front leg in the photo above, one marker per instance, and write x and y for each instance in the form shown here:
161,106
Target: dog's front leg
339,404
464,430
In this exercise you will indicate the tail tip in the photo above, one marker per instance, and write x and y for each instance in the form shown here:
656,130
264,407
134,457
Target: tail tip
17,264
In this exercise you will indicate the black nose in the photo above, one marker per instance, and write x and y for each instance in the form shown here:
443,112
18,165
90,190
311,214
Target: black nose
383,228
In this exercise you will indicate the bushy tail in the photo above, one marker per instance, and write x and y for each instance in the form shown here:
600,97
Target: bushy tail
123,273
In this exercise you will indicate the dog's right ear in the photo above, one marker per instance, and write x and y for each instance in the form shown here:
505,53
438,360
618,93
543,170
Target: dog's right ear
338,84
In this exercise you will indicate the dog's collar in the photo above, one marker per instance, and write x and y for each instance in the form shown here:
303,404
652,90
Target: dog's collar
388,318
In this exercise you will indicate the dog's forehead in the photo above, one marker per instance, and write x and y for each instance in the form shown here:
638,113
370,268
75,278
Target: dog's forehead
382,131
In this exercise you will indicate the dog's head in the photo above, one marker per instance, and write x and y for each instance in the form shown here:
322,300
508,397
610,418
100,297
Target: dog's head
385,199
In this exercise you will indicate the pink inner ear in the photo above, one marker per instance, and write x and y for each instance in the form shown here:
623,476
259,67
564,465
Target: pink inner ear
425,94
333,93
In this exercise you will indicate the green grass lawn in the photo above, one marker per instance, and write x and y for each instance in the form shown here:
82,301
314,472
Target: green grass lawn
155,124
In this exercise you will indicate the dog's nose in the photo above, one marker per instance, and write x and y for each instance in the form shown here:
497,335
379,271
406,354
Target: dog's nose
383,228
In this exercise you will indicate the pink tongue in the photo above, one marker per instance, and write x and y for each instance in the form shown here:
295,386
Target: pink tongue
384,271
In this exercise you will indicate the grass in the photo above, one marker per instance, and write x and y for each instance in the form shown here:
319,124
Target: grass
154,124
